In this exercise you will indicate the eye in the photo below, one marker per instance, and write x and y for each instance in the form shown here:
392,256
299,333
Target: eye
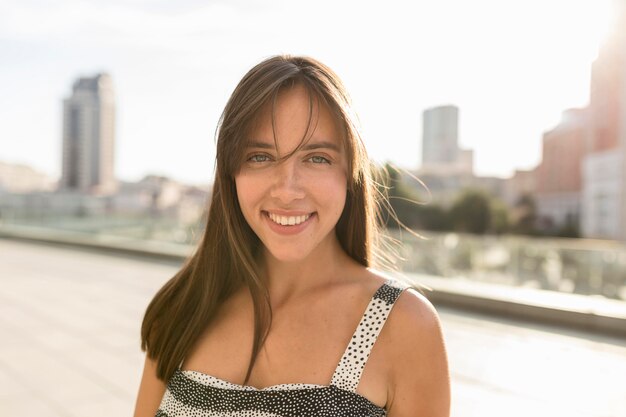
258,158
319,160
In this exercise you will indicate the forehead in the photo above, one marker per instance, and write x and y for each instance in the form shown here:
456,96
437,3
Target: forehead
294,117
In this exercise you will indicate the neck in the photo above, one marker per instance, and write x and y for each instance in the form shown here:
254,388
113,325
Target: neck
287,281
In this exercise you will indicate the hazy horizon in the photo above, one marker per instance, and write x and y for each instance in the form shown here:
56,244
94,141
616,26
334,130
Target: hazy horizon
511,68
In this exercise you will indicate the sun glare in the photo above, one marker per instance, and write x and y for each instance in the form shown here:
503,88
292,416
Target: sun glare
601,17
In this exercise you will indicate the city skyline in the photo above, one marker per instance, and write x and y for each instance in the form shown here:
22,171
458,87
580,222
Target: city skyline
175,68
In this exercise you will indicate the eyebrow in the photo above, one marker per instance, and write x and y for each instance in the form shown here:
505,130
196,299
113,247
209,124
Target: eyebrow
307,147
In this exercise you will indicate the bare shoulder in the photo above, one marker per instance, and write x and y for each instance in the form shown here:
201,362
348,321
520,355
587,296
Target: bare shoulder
151,390
419,375
367,280
413,315
413,327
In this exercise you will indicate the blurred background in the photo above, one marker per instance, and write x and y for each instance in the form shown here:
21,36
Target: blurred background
501,127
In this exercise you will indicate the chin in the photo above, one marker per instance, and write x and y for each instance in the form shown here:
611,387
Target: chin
288,257
288,253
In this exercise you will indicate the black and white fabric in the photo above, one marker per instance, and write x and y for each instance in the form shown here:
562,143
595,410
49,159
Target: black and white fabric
194,394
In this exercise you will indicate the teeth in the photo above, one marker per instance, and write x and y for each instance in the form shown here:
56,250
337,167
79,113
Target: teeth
288,220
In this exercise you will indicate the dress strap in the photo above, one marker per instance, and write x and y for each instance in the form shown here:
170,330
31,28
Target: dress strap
348,372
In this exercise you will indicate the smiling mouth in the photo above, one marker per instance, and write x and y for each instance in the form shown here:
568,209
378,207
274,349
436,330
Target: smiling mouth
288,220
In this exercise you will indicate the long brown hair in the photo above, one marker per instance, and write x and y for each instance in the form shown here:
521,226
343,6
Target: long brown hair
227,254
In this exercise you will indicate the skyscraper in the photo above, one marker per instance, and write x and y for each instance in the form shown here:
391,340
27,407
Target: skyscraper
89,136
620,34
440,138
604,168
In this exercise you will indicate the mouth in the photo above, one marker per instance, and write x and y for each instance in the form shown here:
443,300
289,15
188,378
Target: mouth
288,220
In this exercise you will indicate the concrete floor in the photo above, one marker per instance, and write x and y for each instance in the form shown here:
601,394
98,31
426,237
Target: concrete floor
69,345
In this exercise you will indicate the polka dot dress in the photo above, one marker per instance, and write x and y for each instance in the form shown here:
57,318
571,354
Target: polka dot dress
194,394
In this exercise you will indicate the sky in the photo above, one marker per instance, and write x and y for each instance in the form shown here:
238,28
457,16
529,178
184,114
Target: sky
511,67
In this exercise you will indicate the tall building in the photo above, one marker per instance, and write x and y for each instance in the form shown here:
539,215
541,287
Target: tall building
608,74
440,142
447,169
89,136
440,138
620,35
558,176
604,170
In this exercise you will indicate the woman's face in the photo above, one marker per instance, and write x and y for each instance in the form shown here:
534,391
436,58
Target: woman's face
293,205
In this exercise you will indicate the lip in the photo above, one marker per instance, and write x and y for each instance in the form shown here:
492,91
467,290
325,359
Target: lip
288,213
288,230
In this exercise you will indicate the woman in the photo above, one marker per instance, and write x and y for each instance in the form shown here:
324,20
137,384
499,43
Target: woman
261,319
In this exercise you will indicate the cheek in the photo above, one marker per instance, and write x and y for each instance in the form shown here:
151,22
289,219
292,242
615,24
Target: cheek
333,190
245,193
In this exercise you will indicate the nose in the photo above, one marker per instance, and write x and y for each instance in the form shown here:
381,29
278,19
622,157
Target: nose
287,182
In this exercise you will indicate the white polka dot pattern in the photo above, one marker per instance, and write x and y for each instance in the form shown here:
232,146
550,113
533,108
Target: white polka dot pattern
194,394
348,372
220,383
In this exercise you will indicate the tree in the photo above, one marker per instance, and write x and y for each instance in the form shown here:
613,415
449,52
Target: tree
404,202
499,217
471,212
569,228
525,215
433,217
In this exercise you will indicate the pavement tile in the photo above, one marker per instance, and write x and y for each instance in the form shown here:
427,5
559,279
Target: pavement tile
70,345
11,386
103,408
29,406
114,369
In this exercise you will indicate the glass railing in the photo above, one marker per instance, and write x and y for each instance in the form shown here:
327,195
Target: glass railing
152,228
580,266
